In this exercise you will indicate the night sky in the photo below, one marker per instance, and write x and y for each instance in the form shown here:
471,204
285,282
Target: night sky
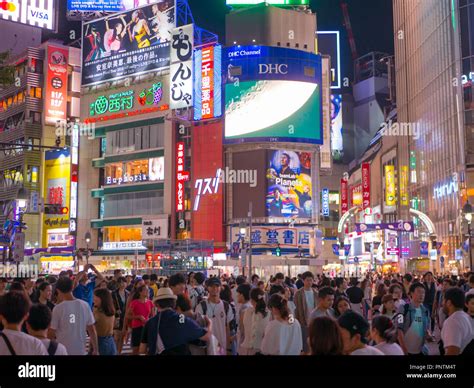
372,23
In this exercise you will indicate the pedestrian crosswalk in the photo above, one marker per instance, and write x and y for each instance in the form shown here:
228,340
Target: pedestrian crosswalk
126,349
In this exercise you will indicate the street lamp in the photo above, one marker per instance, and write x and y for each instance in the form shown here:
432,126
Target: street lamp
87,237
21,198
467,210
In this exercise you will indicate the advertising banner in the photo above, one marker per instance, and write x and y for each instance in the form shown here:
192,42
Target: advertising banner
107,5
356,195
56,84
57,189
344,197
207,188
42,14
272,2
325,202
402,226
126,104
390,190
127,43
335,249
181,85
289,186
365,186
208,83
404,200
181,176
268,236
337,142
272,94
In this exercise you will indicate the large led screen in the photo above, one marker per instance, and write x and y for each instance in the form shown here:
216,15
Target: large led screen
127,43
273,111
106,5
337,143
273,2
289,185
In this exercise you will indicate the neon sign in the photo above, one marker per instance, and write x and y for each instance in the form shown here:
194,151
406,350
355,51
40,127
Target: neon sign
211,186
325,202
446,189
181,176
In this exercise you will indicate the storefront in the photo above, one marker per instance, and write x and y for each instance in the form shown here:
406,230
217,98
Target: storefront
54,263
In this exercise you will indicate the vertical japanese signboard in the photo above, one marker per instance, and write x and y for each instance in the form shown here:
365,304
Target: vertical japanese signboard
56,84
208,83
325,202
181,176
365,185
181,85
390,193
344,197
404,186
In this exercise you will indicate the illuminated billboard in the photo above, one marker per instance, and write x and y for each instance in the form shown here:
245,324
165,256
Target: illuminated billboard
337,142
207,191
126,104
136,171
128,43
106,5
57,191
390,189
208,83
56,84
272,2
42,15
272,94
289,186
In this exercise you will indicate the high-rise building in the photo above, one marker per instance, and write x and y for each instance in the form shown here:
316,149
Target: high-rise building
433,49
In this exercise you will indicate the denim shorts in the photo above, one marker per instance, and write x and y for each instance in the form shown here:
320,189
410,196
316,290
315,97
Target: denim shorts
107,346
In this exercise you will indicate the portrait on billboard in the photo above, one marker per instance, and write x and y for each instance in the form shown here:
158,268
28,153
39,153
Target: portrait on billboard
128,43
336,128
289,186
156,169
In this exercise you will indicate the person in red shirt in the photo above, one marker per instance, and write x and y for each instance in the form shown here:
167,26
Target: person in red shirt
141,309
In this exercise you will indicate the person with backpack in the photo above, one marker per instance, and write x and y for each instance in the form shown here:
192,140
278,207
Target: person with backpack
413,321
199,291
38,324
14,309
457,333
169,333
220,313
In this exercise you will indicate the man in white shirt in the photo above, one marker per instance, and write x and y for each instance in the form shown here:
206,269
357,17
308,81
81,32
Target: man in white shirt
38,323
14,308
457,332
71,319
219,312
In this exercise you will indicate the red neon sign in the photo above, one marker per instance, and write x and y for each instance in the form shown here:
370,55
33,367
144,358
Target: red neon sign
207,86
181,176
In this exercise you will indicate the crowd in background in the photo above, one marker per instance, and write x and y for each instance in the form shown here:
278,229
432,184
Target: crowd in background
189,314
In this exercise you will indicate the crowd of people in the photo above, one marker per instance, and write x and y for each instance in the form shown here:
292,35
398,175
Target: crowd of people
187,314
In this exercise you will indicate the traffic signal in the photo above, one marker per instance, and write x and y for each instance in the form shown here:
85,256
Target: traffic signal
55,209
278,251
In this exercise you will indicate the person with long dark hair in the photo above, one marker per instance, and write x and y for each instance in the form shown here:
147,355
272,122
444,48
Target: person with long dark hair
341,305
140,310
104,314
325,337
45,292
254,322
113,37
384,334
283,333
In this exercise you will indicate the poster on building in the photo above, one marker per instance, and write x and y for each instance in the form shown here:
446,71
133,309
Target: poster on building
337,142
154,228
56,84
390,188
208,83
57,191
344,197
127,43
366,186
181,73
289,186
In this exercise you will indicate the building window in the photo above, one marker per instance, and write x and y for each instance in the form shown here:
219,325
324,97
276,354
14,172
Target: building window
135,139
297,45
35,117
33,172
36,92
134,204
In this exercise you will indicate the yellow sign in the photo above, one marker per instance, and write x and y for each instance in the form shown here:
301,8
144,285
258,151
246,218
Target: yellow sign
390,192
404,201
57,191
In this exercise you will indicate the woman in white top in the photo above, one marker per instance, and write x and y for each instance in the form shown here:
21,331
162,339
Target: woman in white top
254,323
384,334
283,333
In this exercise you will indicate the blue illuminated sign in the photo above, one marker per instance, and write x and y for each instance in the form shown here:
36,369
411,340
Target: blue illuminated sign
325,202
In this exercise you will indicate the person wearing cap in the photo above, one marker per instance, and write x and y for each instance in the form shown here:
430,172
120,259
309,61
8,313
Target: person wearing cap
169,333
354,331
219,312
